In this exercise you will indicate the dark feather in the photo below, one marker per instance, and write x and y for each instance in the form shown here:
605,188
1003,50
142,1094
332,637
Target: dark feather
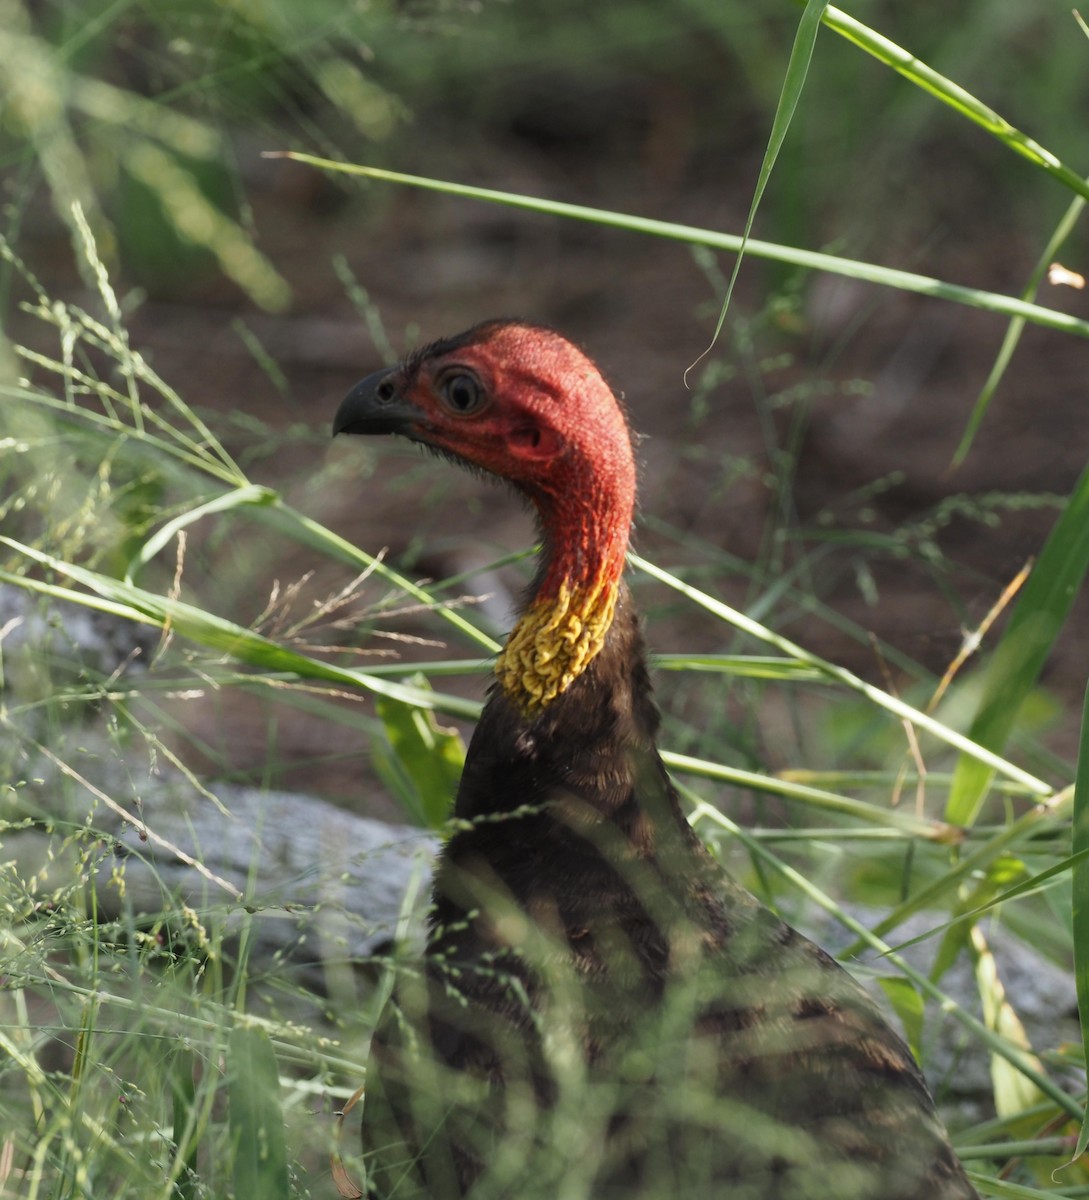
603,1012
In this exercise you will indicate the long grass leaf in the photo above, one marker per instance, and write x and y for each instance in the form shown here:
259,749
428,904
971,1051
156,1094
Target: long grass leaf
250,494
1035,623
97,603
994,1041
1002,1189
1015,329
882,699
226,637
174,443
906,64
255,1118
427,759
1013,1092
741,666
824,801
933,894
801,55
325,541
1081,900
181,1071
906,281
1027,887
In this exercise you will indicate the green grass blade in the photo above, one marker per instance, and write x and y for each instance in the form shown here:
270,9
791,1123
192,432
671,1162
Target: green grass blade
267,506
426,760
907,281
994,1041
267,503
740,666
1041,1147
1013,1092
325,541
1016,328
1002,1189
908,1005
223,636
1027,887
938,893
950,93
250,494
173,443
824,801
1081,899
183,1065
1037,618
98,603
801,55
438,666
256,1120
882,699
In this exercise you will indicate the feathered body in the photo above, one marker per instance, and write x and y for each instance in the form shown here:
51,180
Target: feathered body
601,1011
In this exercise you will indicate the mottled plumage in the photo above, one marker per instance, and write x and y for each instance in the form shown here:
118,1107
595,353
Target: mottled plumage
601,1011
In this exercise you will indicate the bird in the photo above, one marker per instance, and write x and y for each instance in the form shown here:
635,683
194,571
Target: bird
600,1010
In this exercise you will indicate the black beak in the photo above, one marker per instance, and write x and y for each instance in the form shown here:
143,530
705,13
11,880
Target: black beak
374,406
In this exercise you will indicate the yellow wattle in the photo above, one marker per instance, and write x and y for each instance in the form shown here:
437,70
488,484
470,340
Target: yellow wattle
554,642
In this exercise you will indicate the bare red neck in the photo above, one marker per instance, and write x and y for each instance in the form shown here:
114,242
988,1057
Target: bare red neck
586,516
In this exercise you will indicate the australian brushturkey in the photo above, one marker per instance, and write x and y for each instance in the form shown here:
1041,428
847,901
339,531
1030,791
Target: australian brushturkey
601,1011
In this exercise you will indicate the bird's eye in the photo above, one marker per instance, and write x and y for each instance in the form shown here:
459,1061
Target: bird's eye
462,393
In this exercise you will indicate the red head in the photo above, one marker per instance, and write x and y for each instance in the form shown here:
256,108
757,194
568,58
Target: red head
516,400
523,403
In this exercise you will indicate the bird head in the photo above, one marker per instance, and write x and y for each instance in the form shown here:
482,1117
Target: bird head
516,400
522,403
